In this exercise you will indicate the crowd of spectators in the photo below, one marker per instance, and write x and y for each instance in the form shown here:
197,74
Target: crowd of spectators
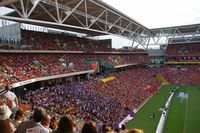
33,40
183,52
92,98
183,49
89,99
182,74
50,41
130,83
19,67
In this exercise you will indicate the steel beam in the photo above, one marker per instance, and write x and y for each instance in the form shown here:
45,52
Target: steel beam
18,12
97,18
115,13
113,24
68,9
57,12
33,8
78,20
22,7
26,8
125,28
72,11
86,14
193,35
48,12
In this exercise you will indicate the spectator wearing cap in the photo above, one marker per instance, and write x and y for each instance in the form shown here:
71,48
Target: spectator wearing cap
34,124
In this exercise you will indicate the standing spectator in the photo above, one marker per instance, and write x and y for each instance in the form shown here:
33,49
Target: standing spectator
12,100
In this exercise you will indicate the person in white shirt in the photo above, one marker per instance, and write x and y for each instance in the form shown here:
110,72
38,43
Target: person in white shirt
11,98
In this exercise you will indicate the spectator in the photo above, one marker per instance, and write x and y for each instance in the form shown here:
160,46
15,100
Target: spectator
65,125
46,122
5,123
33,125
18,118
135,131
12,100
89,127
53,123
123,129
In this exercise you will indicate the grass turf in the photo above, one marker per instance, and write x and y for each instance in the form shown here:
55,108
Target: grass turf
183,116
142,119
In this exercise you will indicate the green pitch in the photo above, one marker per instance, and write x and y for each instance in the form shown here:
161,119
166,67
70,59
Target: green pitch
183,116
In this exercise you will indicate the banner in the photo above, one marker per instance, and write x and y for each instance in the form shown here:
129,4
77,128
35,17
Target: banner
95,66
179,63
108,79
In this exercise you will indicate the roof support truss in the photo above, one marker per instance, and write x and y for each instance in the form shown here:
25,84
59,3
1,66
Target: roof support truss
70,12
35,3
174,35
23,8
94,20
18,12
48,13
104,19
110,27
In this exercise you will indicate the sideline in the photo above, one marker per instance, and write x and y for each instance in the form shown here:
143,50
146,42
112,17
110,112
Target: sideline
129,117
164,110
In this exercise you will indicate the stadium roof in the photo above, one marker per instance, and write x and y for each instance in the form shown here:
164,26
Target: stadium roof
178,34
184,29
92,17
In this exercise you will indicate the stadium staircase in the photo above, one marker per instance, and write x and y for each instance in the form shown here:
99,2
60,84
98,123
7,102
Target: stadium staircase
37,63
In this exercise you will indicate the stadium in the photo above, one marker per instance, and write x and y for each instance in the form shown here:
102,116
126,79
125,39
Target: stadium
58,75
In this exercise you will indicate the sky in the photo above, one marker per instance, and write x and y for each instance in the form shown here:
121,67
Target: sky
154,14
159,13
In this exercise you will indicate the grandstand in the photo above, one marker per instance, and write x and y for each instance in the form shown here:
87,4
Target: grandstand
50,58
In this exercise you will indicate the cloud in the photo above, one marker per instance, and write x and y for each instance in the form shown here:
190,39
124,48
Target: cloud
159,13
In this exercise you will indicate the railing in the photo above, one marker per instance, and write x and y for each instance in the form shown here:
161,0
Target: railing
22,83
